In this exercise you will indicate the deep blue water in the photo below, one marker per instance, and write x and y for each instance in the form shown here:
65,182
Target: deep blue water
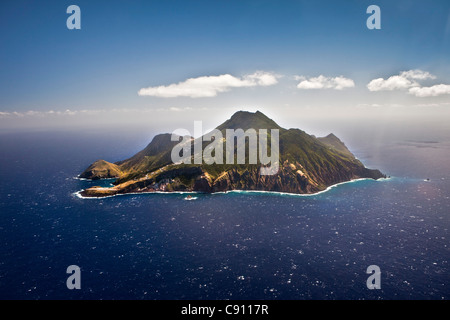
221,246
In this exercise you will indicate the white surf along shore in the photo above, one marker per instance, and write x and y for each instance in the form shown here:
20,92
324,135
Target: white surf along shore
78,193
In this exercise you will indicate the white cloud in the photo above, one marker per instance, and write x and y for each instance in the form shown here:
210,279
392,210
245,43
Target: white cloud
322,82
177,109
50,113
210,86
408,80
432,91
417,75
392,83
261,79
368,105
299,78
404,80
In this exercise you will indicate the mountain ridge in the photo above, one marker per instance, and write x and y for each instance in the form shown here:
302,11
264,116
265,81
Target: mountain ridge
306,165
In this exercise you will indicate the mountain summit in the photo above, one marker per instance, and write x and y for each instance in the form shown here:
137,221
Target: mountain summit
246,120
306,165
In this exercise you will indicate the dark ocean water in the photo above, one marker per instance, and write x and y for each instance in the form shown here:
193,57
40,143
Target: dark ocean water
221,246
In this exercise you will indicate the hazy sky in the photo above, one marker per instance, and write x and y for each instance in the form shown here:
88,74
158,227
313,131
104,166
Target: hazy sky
163,64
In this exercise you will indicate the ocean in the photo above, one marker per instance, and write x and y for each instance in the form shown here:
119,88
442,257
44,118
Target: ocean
233,245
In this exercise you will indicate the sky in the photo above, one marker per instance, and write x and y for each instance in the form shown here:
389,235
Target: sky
164,64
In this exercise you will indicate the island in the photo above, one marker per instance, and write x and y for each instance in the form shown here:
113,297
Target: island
307,165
